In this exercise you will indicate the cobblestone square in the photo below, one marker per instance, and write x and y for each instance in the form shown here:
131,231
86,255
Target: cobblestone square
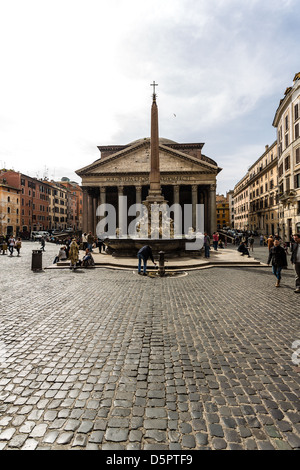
106,359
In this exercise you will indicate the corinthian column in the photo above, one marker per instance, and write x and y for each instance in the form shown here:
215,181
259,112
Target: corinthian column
177,210
90,213
212,208
85,210
194,205
122,211
138,194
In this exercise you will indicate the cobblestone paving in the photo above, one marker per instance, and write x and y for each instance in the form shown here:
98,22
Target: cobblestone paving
104,359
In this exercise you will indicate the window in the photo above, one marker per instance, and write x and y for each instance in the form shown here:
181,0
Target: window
296,110
296,131
287,163
297,181
298,155
287,184
286,122
280,170
286,140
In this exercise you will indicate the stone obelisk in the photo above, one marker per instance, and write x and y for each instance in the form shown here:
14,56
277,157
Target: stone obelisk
154,194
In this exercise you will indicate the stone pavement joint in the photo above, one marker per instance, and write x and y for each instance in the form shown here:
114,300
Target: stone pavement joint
105,359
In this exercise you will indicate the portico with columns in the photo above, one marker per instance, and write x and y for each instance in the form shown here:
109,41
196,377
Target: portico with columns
186,175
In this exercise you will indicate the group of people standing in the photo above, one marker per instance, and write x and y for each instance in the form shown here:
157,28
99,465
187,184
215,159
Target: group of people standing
71,251
277,253
89,241
10,243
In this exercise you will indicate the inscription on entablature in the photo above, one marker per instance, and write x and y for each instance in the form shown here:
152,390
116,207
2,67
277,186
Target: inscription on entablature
136,180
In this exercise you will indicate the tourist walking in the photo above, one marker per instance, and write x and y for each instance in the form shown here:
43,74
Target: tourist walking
206,245
43,243
251,242
261,240
18,245
215,240
90,241
73,254
84,241
295,259
4,246
11,245
277,256
143,255
270,242
100,243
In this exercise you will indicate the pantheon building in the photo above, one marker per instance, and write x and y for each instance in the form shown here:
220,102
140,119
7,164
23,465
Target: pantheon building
187,176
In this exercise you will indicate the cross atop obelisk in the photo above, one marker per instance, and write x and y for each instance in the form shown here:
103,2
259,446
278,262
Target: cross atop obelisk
154,85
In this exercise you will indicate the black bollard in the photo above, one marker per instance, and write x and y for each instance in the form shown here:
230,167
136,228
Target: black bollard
161,265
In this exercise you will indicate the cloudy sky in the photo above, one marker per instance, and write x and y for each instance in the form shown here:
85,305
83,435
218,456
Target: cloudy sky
76,74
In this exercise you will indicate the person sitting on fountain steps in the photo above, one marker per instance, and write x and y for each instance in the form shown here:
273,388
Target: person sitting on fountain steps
143,255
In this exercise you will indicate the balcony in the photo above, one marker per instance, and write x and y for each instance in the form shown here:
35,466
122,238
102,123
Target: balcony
288,197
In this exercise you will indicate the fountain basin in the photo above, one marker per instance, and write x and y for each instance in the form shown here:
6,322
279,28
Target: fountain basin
128,247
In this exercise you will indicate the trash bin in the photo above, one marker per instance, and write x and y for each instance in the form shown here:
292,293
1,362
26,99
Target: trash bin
37,261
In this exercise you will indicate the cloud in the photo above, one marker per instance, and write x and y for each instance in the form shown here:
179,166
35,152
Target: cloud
77,75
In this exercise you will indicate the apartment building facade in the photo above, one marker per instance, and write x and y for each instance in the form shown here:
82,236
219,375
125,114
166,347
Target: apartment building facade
9,209
287,124
256,196
33,200
241,204
58,206
222,207
263,193
28,204
230,195
75,203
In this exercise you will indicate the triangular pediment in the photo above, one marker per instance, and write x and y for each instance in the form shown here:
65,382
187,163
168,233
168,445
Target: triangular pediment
136,159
